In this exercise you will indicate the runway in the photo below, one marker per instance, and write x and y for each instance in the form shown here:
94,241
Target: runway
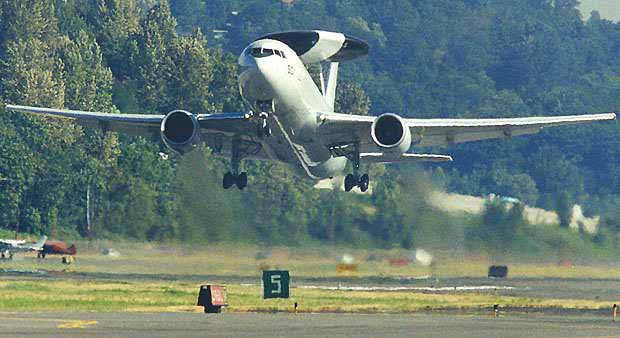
301,325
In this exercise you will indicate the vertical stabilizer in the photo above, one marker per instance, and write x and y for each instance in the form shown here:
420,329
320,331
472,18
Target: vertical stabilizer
332,82
41,242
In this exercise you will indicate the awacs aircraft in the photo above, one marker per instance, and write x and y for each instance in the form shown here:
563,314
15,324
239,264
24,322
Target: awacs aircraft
9,246
291,119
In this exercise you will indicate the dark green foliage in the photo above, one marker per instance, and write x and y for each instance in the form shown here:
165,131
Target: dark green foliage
428,59
498,229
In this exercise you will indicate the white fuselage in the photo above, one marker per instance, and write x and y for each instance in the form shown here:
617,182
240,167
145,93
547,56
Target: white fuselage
274,73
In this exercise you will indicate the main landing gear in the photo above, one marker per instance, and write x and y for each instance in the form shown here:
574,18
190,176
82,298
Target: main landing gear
241,148
234,177
230,179
352,180
355,179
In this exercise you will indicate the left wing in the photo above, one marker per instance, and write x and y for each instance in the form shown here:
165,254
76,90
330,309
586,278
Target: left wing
440,132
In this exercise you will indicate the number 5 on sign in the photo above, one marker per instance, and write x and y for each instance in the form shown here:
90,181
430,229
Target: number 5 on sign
275,279
275,284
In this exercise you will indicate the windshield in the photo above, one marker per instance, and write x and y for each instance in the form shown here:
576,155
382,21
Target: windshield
261,52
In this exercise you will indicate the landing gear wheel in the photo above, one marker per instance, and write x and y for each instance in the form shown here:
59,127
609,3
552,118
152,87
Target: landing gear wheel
229,180
363,183
213,309
349,182
242,180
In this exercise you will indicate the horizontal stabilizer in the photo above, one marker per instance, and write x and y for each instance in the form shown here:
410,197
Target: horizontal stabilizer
383,158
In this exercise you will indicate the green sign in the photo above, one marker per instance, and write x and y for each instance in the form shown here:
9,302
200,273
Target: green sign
275,284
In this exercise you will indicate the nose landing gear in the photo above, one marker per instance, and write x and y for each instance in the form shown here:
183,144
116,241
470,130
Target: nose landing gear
265,107
262,128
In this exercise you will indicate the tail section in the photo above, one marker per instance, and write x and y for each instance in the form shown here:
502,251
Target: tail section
41,242
332,82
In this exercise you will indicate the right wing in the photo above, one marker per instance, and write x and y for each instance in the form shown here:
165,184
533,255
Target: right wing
140,124
216,129
342,128
132,124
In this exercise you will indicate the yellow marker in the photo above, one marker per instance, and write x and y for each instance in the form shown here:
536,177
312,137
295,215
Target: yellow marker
76,324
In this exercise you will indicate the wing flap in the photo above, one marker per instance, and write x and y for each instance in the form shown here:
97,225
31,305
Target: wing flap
407,157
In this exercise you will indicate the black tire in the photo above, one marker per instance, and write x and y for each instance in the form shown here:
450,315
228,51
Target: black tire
242,180
364,181
349,182
229,180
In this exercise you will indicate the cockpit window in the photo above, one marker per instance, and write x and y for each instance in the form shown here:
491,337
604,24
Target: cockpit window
261,52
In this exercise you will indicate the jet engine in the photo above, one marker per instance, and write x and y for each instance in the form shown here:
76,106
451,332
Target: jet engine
179,130
389,131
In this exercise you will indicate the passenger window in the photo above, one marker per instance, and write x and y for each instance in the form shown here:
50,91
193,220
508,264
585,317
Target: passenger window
277,52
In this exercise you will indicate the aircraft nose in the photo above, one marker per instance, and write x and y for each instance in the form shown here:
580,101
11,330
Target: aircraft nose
270,69
246,60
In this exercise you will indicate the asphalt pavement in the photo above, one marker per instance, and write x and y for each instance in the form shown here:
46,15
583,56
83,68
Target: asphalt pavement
302,325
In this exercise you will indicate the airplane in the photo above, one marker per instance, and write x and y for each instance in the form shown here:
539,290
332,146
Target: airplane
10,246
291,119
57,248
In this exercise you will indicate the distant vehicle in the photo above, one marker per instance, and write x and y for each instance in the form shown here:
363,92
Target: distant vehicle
292,120
10,246
57,248
510,200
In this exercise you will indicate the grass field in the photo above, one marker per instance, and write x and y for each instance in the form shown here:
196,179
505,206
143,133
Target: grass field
247,261
134,280
102,296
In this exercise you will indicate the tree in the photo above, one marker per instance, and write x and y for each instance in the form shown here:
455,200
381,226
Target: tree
153,61
27,19
498,228
114,23
351,99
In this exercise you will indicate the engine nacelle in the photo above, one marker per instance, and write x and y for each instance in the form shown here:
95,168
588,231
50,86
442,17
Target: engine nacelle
179,130
389,132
